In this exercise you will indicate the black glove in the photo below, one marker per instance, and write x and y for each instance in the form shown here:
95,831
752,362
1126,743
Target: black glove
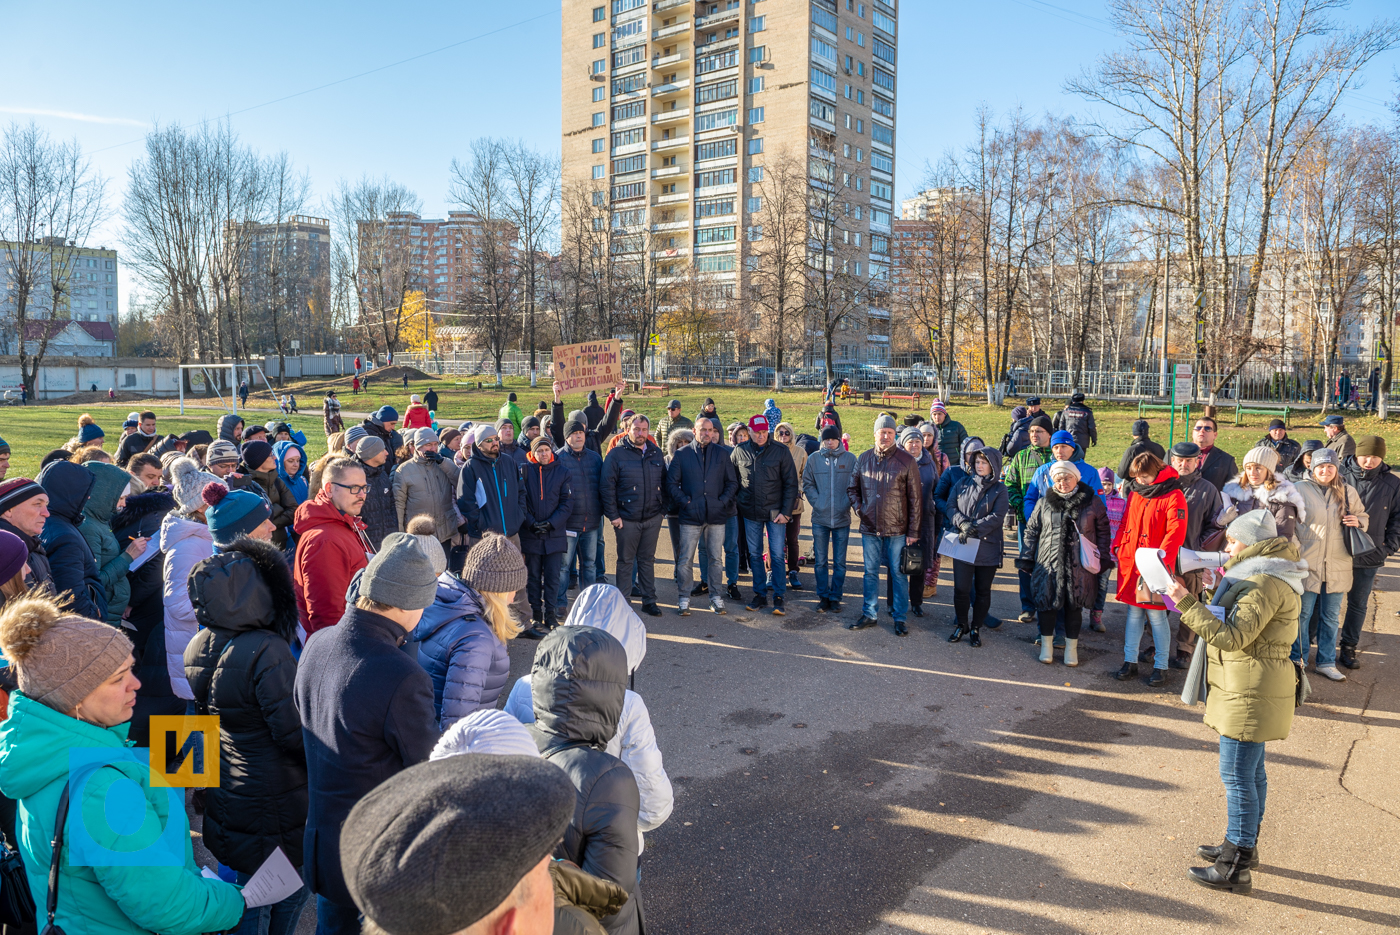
541,528
1025,564
432,456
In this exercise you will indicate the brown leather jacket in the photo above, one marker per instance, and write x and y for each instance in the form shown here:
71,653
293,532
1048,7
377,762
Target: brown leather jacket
887,493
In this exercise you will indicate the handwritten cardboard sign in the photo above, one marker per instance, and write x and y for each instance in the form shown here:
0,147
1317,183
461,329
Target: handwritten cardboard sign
587,366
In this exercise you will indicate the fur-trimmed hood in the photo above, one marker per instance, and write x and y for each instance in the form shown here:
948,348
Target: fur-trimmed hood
1276,558
247,586
1284,492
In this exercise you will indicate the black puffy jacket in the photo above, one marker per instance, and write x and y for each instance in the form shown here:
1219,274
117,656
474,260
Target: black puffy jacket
145,619
240,668
768,481
981,502
1380,491
71,561
633,485
1050,547
703,483
380,513
549,498
1078,420
577,687
490,495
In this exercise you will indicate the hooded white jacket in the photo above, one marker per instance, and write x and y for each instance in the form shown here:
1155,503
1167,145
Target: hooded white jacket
604,607
185,543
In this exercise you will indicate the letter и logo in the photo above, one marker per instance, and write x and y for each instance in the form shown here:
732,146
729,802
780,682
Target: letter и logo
185,750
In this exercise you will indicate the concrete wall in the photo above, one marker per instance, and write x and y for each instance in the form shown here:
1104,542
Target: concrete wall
154,376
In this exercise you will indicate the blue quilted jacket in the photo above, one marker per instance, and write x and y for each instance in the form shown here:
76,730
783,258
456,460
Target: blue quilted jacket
469,666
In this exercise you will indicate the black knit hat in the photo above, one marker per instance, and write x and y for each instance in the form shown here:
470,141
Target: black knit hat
438,846
831,432
572,426
1043,421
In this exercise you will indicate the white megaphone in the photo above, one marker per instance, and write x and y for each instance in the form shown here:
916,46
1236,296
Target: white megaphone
1190,560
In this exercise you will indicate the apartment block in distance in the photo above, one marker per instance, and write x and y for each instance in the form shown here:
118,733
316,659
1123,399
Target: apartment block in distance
671,109
88,276
443,255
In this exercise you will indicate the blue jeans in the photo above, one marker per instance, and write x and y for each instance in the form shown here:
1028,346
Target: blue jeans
1246,788
731,554
1161,635
837,536
1023,578
1103,587
600,559
277,919
335,919
877,551
583,547
776,577
1329,607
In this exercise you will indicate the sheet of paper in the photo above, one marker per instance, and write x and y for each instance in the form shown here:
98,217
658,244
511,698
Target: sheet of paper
1149,564
1218,611
152,548
208,874
274,881
961,551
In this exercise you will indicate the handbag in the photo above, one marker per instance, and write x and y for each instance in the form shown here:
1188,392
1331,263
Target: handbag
1089,556
16,901
55,862
1358,542
911,560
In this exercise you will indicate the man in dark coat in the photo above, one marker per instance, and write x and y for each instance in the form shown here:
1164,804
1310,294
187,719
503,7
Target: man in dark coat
1217,465
381,424
596,433
489,492
633,491
593,413
366,711
544,538
24,508
1140,444
1379,488
768,491
887,493
71,562
1277,439
231,428
138,441
703,484
430,399
1078,420
585,519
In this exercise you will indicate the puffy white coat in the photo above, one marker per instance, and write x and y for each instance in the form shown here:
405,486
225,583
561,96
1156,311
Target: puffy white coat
604,607
185,543
1284,502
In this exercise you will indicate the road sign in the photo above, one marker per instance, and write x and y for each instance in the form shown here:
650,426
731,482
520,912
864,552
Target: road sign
1182,389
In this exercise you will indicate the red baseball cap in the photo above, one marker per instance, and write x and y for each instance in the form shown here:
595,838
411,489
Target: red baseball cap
758,424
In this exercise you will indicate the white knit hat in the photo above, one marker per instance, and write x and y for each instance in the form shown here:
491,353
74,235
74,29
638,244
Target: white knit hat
1262,456
187,483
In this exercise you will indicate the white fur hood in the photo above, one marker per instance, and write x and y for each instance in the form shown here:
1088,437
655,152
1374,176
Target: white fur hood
1283,493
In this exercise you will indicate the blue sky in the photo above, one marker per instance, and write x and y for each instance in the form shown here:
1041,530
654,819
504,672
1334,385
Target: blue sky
119,68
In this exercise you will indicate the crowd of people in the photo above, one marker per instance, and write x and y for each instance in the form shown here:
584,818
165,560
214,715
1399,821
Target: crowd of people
347,619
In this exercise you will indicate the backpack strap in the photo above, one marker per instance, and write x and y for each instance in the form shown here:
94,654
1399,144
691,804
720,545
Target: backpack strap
56,861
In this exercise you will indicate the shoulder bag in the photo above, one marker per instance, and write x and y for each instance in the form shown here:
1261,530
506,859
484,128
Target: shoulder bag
55,862
16,901
911,560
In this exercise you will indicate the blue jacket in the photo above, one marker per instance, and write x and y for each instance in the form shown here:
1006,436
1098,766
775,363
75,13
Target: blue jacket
548,499
634,482
1040,481
824,483
585,474
71,561
469,666
366,714
297,485
490,495
703,484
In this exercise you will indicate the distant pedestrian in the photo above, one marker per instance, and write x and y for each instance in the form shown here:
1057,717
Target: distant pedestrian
1078,419
243,394
417,415
331,419
430,399
510,409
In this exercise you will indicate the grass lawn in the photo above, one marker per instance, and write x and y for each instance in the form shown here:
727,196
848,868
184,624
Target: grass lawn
34,430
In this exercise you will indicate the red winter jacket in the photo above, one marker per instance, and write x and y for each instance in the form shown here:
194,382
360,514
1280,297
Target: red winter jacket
332,546
1156,521
417,417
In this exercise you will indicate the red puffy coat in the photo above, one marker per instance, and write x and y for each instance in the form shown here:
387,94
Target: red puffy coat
417,417
1157,521
332,546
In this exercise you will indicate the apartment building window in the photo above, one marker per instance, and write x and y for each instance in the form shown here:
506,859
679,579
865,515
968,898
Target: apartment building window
849,118
600,13
629,218
716,119
860,69
850,34
882,21
599,66
628,137
599,94
882,106
848,92
883,50
758,24
860,154
708,93
755,115
824,49
756,84
600,118
860,39
723,263
714,177
109,262
822,110
755,232
629,164
599,172
881,190
600,40
622,6
846,150
714,207
882,162
883,79
600,144
630,190
704,235
629,110
755,174
629,84
882,134
822,79
720,60
755,146
716,150
879,244
755,205
758,53
824,18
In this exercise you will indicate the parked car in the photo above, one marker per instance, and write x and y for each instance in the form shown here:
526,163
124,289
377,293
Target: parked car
756,376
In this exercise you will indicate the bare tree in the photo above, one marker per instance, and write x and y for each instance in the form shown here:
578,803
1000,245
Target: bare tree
372,255
1380,207
482,186
532,206
774,251
837,283
50,202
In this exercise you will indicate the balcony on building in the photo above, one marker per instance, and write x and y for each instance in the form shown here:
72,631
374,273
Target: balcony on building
675,29
666,145
670,116
719,17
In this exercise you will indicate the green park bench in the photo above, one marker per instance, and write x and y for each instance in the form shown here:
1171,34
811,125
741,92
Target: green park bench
1286,411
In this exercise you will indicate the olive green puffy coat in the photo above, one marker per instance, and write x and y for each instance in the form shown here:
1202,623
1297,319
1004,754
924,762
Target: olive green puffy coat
1251,679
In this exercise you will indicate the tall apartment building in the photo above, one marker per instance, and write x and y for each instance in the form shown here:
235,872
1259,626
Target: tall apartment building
672,108
443,255
88,276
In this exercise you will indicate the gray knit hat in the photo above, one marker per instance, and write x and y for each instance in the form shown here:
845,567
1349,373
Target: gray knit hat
885,421
60,658
187,483
438,846
369,447
353,434
221,451
1323,456
423,436
1253,527
494,565
401,574
1062,467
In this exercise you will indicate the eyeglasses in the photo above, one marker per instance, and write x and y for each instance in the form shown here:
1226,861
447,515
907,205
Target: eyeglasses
1204,428
785,434
354,489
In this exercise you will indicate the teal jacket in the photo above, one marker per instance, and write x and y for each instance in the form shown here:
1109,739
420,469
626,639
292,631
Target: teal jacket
34,755
112,560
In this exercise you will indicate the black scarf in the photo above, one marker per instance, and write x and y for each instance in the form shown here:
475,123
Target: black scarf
1156,489
1071,502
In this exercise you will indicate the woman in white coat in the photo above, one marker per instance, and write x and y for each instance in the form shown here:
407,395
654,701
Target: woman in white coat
185,541
603,606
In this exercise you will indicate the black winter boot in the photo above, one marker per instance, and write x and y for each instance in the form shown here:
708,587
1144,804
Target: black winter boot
1346,657
1230,872
1211,852
957,634
976,638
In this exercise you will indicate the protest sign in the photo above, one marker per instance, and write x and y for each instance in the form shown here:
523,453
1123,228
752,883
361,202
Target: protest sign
587,366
